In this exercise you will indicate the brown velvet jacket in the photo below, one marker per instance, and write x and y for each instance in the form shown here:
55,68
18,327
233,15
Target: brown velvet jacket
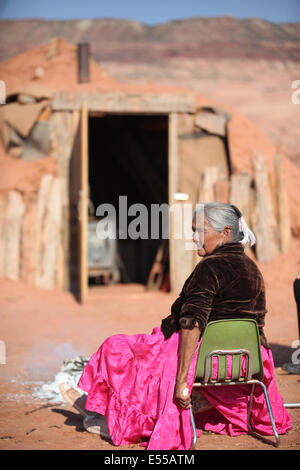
225,284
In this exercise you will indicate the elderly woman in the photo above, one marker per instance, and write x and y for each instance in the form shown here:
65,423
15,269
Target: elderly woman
142,383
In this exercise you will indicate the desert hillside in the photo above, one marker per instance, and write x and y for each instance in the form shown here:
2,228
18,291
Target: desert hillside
131,41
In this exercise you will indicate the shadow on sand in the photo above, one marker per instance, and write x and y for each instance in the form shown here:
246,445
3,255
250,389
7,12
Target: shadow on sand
281,354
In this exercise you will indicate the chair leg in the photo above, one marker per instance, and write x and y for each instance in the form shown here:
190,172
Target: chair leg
194,429
255,434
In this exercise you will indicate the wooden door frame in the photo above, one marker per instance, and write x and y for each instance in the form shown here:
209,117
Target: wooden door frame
167,104
172,189
83,204
83,211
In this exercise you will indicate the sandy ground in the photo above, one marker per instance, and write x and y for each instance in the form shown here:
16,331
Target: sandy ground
42,328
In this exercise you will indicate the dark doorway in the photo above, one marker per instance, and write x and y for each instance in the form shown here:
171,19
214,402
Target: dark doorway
128,156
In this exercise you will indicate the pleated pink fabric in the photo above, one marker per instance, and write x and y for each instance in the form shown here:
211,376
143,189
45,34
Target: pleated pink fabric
130,380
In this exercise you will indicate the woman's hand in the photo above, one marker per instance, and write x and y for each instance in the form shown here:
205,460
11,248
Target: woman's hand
188,344
182,395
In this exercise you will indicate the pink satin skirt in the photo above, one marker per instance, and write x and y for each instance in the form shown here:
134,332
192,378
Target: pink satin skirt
131,379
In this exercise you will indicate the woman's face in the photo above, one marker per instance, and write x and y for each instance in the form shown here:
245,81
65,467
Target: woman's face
206,238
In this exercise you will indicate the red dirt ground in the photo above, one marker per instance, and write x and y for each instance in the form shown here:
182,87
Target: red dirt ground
42,328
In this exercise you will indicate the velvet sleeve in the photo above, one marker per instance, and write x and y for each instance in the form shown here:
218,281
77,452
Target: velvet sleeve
200,294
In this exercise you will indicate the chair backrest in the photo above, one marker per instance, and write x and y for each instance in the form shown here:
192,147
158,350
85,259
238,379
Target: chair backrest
232,336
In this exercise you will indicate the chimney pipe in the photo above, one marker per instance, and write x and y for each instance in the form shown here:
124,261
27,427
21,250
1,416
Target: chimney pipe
83,56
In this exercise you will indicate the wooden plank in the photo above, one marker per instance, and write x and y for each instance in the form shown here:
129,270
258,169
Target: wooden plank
13,227
186,123
43,196
212,123
273,183
83,206
206,193
183,247
207,189
29,247
64,126
3,204
51,230
263,219
222,191
124,102
240,193
282,203
172,181
181,260
60,267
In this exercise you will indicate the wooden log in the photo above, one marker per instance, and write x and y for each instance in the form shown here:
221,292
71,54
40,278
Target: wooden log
252,203
3,204
43,196
83,204
273,184
222,191
51,237
240,193
282,203
64,126
60,267
240,197
183,247
211,122
173,188
207,190
124,102
206,193
13,226
263,218
186,123
2,352
29,250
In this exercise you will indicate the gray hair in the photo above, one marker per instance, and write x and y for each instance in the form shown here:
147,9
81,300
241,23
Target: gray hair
219,215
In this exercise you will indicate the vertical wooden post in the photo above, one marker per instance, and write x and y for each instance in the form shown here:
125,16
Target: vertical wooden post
207,189
42,201
180,255
222,191
3,204
64,128
29,246
282,203
240,193
51,234
83,206
173,156
13,230
263,219
172,182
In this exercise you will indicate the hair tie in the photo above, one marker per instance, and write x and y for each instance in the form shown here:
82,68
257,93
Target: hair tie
248,235
237,211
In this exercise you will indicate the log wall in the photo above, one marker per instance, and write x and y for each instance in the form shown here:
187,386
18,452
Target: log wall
34,227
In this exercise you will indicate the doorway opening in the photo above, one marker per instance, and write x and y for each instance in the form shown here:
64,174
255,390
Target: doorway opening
128,156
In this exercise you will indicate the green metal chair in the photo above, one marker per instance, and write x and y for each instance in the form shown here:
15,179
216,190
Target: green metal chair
235,338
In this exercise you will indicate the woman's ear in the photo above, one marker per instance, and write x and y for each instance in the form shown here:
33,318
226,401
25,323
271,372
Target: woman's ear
227,232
